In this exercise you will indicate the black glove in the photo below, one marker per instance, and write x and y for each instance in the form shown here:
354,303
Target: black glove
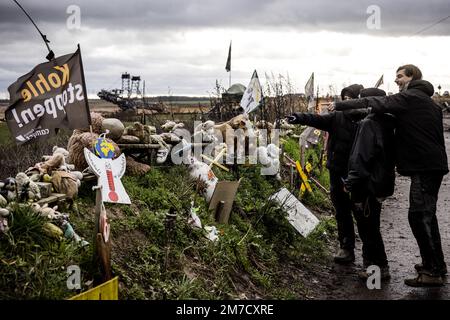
291,119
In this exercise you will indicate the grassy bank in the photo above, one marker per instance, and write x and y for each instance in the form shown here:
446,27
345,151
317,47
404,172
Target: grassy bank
258,254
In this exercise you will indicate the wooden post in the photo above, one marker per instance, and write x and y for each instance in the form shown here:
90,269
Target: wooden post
102,239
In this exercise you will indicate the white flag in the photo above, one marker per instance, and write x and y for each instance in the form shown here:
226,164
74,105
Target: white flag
309,87
253,95
309,93
379,82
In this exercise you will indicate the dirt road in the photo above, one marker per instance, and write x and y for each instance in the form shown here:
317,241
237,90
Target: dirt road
341,282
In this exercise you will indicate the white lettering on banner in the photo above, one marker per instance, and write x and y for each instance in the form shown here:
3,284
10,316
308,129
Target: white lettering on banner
32,134
51,105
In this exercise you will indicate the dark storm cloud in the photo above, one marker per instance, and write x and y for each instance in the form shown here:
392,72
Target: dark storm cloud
155,24
397,18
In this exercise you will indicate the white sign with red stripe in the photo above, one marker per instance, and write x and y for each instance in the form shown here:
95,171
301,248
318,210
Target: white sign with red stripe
109,173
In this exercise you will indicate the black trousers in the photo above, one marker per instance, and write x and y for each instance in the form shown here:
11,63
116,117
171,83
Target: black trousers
368,221
423,197
343,206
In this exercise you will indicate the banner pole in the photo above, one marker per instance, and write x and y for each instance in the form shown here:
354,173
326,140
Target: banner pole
84,87
50,55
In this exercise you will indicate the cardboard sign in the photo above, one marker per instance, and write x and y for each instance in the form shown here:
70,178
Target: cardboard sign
223,197
299,216
109,173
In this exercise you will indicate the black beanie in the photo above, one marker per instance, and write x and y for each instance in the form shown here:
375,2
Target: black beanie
372,92
352,91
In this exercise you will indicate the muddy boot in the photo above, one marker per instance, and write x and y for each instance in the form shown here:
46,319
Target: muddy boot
384,274
419,268
344,256
425,280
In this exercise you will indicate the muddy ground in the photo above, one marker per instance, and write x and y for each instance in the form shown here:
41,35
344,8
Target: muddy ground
341,282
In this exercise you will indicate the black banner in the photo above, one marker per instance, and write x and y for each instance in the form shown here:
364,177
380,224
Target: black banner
51,96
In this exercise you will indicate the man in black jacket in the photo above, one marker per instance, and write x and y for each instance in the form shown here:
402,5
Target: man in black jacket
341,128
420,154
371,178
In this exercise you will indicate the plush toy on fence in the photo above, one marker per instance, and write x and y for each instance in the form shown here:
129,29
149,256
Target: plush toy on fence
206,131
171,126
286,128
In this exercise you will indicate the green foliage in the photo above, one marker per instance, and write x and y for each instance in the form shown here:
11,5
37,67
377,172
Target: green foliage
33,264
159,259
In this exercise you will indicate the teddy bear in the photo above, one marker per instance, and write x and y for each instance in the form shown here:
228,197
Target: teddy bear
8,189
27,190
57,161
206,131
269,158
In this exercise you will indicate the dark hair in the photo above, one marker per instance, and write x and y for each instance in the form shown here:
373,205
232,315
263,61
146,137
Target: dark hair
411,71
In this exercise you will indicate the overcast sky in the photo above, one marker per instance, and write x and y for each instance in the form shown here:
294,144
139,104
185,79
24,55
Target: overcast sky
180,47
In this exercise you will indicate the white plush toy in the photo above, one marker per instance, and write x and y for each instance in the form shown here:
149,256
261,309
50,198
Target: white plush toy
200,170
286,128
206,131
27,190
269,158
57,161
46,211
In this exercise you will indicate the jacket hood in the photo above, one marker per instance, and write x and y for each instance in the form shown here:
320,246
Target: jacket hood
351,91
423,86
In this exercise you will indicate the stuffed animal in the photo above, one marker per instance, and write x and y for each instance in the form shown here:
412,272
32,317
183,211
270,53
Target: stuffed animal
8,189
67,183
269,158
27,190
46,211
80,140
286,128
57,161
206,131
201,171
171,126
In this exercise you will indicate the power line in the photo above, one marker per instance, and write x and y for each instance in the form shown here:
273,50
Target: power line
430,26
50,55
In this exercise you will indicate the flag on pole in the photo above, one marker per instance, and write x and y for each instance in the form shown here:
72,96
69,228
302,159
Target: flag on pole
309,93
228,65
253,96
51,96
379,82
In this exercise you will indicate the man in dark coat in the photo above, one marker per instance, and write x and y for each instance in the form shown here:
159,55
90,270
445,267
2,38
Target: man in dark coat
371,178
421,155
341,128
